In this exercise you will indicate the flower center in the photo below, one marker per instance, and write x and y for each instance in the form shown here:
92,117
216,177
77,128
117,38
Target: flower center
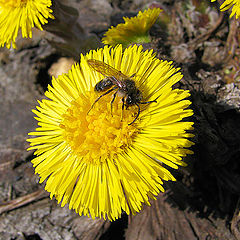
13,3
96,134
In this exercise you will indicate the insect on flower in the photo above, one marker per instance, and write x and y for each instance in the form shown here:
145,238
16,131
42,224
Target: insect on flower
116,81
98,164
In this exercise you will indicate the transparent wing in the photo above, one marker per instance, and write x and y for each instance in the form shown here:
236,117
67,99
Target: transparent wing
106,70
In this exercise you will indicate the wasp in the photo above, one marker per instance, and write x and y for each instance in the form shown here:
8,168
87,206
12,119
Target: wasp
116,81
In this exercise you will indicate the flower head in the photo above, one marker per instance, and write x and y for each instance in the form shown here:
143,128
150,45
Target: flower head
235,4
24,14
134,30
90,156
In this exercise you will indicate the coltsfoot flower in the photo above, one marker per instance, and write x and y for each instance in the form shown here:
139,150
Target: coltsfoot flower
134,30
24,14
96,161
235,4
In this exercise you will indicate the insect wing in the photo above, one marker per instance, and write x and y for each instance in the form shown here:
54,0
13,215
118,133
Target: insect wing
106,70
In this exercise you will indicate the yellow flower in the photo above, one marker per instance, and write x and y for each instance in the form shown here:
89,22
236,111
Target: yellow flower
24,14
235,4
134,30
90,156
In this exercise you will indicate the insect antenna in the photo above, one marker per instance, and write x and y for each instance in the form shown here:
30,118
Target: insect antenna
136,116
139,110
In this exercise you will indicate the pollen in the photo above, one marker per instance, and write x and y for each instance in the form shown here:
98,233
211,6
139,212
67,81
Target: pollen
98,133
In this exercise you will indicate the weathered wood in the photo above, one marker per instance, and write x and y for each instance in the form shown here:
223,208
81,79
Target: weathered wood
167,220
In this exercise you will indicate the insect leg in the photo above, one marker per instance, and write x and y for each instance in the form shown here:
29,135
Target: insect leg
148,102
114,96
136,116
133,75
107,92
123,104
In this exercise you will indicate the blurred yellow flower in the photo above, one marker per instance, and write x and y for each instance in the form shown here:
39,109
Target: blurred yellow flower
235,4
134,30
24,14
94,160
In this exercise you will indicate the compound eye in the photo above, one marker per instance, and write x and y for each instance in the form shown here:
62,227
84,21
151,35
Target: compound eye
129,100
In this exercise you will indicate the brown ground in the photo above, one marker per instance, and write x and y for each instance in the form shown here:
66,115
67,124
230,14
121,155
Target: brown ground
204,202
